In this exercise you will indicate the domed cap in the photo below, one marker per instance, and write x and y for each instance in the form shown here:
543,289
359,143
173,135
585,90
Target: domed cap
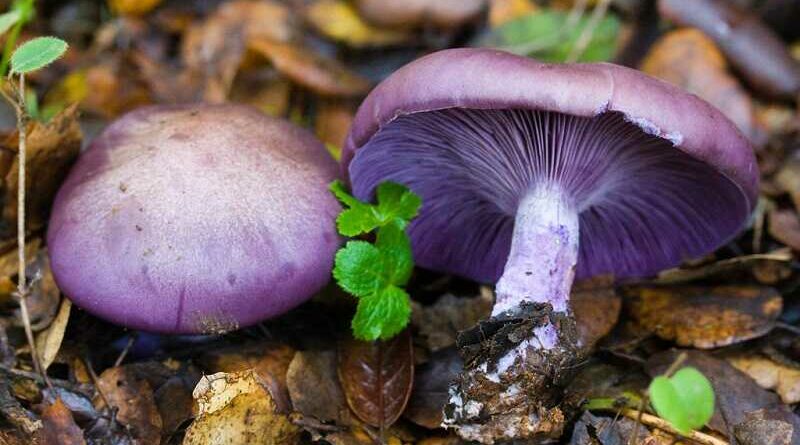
196,218
657,174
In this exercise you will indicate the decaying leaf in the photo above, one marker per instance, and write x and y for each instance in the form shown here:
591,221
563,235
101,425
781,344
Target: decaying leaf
689,59
333,121
9,263
51,150
788,179
769,374
768,427
133,7
48,342
321,75
43,293
438,324
377,377
784,226
718,268
339,20
175,403
58,426
132,396
596,306
314,387
269,360
413,13
503,11
237,409
705,317
431,383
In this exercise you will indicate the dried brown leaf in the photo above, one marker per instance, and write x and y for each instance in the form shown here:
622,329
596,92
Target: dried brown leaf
51,150
431,384
769,374
237,409
768,426
414,13
339,21
784,226
314,387
689,59
48,342
438,325
596,306
705,317
333,121
133,7
58,426
175,404
132,396
731,265
317,73
504,11
377,377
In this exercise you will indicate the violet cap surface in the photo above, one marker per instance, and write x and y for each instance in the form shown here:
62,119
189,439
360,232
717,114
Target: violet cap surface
656,175
195,219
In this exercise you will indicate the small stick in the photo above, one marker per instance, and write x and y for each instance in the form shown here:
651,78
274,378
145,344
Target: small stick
657,422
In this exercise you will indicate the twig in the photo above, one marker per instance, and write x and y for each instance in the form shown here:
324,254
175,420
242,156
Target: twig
125,350
598,13
657,422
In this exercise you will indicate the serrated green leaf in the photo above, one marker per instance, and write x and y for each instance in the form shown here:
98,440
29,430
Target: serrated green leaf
686,399
358,268
395,248
548,36
382,315
396,201
36,54
8,20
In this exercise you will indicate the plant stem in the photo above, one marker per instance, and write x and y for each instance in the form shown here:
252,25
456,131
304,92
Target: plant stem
22,283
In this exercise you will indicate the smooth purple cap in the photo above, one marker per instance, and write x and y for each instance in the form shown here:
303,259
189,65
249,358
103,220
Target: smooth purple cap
195,219
658,175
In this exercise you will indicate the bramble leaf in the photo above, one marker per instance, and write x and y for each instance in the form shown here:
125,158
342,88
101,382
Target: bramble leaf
37,53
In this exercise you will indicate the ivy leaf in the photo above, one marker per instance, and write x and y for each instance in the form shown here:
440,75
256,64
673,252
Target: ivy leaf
37,53
8,20
382,315
686,399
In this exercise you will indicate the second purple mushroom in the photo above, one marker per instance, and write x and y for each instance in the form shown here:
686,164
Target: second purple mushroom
532,175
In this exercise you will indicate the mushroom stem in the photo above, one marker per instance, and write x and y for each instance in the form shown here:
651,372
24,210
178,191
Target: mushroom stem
544,250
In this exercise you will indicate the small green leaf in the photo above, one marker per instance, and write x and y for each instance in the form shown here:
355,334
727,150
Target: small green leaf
8,20
382,315
396,201
686,399
358,268
37,53
395,249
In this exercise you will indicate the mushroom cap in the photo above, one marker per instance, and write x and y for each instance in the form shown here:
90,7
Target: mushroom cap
657,174
195,219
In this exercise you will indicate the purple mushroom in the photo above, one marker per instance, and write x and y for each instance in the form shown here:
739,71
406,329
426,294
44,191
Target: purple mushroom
531,175
195,219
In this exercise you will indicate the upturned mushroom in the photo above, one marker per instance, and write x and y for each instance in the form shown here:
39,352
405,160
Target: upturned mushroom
195,219
531,175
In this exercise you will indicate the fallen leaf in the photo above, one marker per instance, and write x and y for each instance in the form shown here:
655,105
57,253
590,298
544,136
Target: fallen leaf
784,226
768,427
414,13
788,178
596,306
715,269
132,396
269,360
783,379
237,409
736,394
314,387
338,20
51,149
271,96
9,264
175,404
431,384
43,293
319,74
377,377
48,342
333,121
752,48
58,426
705,317
504,11
133,7
689,59
438,325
